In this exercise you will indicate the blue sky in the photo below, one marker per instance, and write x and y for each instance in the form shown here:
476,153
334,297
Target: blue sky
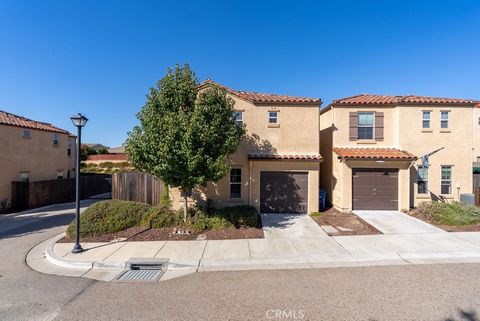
58,58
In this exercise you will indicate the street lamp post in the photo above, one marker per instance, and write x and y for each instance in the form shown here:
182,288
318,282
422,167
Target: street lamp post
79,121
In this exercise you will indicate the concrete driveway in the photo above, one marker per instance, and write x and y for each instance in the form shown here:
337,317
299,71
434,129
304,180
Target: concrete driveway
396,222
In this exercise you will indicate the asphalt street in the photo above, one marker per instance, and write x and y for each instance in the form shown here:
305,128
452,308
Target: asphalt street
420,292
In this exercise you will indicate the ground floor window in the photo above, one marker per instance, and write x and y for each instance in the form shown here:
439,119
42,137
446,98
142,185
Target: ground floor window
235,183
422,180
446,187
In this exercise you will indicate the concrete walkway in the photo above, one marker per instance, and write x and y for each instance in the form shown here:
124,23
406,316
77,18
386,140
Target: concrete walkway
395,222
291,241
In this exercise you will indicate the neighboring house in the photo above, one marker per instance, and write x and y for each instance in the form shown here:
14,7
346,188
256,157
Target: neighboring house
371,145
115,155
32,151
277,167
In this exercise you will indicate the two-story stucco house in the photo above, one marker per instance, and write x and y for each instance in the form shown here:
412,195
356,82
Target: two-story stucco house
32,151
277,167
372,146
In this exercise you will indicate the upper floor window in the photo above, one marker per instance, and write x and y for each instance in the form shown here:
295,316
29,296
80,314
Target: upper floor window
26,134
446,187
365,125
272,117
236,183
426,119
238,116
24,176
55,139
422,180
69,148
444,115
59,173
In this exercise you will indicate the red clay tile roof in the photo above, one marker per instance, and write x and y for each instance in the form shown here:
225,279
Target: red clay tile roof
259,98
19,121
373,153
366,99
285,157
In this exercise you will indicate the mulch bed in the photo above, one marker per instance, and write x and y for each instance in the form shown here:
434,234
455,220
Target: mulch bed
344,223
167,234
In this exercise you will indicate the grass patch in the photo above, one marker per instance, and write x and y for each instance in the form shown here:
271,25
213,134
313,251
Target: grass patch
317,214
450,214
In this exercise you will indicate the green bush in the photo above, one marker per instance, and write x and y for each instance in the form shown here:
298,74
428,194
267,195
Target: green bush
165,198
161,216
107,165
109,217
243,215
200,220
452,214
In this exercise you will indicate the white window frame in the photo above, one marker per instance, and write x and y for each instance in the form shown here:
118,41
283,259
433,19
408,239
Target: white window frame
442,120
273,117
444,181
366,126
234,182
426,119
60,173
422,180
238,120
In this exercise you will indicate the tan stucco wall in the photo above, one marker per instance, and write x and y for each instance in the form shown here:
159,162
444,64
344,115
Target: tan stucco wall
326,167
297,132
36,155
457,140
342,193
403,130
476,134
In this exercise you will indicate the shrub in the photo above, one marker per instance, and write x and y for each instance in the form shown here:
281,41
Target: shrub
106,165
200,220
243,215
161,216
109,217
452,214
165,198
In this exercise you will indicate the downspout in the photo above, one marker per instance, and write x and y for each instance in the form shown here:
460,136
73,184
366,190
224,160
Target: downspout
249,182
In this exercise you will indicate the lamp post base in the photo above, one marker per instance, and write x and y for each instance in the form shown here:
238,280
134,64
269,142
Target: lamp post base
77,248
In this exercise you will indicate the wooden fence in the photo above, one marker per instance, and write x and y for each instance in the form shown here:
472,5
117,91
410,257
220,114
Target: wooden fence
476,180
137,186
476,191
26,195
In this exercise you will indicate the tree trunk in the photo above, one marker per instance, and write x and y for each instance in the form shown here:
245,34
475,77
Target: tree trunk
185,207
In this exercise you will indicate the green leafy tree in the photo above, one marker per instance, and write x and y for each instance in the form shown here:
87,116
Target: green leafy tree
102,151
185,136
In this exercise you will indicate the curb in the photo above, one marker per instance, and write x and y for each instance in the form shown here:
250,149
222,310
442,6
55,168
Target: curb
68,264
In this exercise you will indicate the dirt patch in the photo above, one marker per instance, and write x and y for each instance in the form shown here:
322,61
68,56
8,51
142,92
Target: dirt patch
343,223
168,234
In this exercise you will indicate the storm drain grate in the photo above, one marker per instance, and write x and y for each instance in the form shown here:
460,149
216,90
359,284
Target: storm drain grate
142,273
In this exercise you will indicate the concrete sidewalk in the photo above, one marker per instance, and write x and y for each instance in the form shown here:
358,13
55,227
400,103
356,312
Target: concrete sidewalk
306,247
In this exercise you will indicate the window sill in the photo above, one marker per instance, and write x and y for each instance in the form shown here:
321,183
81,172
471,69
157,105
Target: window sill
366,141
447,196
55,146
424,196
445,131
273,125
427,130
26,137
